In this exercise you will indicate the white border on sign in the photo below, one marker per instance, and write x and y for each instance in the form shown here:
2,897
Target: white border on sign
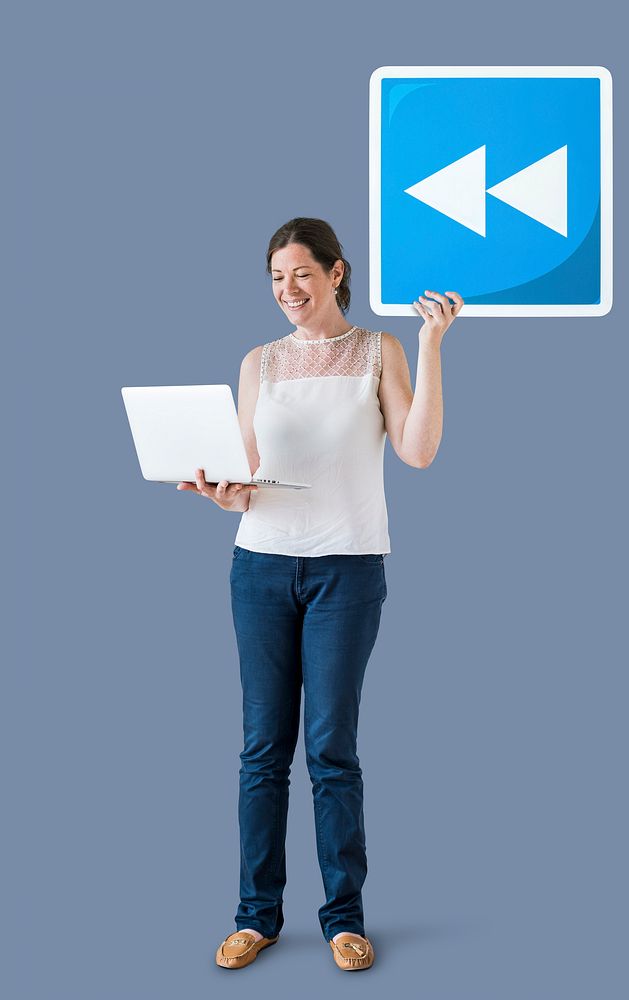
375,236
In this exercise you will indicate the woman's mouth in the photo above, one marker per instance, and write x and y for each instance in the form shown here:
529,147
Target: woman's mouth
295,304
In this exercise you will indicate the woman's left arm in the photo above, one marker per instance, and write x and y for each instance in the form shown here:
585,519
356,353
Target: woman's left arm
414,422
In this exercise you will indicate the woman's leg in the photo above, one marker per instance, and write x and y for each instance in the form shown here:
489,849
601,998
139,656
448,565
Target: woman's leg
343,597
267,621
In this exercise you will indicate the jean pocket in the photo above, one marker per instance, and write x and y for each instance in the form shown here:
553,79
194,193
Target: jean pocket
237,551
374,560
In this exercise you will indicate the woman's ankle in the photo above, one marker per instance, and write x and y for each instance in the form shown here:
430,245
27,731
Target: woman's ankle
251,930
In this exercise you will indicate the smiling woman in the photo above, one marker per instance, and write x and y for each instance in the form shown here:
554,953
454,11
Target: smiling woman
308,578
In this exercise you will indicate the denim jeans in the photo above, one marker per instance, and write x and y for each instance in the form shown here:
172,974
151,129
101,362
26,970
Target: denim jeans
310,620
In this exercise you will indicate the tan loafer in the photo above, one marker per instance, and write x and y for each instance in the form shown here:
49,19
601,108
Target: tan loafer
241,948
351,951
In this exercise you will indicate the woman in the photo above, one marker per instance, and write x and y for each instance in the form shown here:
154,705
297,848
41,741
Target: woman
307,578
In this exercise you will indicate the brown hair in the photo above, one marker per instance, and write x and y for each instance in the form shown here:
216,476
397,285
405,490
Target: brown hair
319,237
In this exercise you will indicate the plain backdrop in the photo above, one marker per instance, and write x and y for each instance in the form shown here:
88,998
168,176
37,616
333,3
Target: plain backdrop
150,150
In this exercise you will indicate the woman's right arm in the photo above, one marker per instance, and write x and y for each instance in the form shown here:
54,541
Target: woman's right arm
248,389
235,496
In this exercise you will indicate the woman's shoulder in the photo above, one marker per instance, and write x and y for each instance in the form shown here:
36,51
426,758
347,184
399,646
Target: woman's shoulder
254,356
387,339
391,346
392,354
252,359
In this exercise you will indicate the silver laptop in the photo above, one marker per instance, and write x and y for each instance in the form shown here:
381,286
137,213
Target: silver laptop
180,428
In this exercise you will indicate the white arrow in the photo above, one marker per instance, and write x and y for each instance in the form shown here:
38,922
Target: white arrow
457,190
540,191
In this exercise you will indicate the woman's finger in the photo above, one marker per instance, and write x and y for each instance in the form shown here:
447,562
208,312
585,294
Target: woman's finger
222,490
441,299
458,301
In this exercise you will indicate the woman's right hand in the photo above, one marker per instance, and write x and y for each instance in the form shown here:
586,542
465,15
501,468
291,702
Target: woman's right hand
226,495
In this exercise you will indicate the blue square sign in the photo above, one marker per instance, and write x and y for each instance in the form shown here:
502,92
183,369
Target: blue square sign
492,181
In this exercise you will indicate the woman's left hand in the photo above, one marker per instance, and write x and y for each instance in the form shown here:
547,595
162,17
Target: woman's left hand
437,315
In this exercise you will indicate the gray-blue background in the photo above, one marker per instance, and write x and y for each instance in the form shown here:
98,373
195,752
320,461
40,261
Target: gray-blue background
149,152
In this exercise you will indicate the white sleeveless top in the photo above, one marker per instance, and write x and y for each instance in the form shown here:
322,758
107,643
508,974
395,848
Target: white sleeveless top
318,420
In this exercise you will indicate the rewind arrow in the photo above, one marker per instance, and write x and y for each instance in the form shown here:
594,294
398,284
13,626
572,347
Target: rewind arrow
458,191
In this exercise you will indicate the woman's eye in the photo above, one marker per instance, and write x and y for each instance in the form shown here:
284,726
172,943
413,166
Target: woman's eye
299,276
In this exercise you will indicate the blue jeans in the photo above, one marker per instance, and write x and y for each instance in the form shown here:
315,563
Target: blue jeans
311,620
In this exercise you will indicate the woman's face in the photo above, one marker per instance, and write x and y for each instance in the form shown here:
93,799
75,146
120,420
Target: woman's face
297,276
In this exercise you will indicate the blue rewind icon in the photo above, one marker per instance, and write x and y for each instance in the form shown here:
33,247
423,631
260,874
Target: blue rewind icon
496,182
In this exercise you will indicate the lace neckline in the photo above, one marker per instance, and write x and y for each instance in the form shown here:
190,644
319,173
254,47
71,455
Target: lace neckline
324,340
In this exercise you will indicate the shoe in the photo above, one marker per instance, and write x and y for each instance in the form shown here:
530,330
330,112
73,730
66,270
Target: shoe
352,951
241,948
